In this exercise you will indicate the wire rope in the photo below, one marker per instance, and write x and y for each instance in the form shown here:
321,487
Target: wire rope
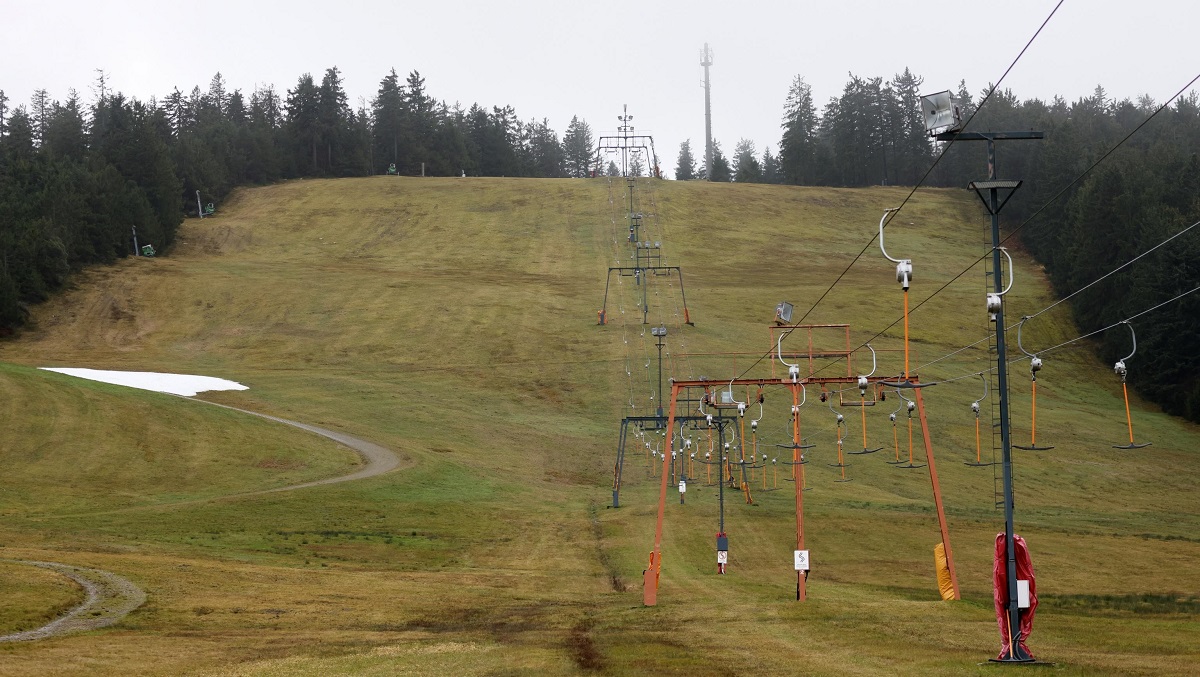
920,182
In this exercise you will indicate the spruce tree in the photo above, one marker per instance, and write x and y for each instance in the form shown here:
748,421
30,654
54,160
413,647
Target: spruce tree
685,166
746,168
304,125
578,151
797,148
388,112
720,170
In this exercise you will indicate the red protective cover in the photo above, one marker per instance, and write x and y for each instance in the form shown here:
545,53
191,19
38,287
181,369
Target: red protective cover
1000,590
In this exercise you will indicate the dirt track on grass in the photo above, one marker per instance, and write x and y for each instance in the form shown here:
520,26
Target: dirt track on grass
109,599
377,460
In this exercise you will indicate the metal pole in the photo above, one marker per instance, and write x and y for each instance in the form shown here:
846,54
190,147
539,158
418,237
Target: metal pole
708,143
1014,613
1015,653
645,298
721,469
660,333
650,576
199,207
620,465
138,252
798,478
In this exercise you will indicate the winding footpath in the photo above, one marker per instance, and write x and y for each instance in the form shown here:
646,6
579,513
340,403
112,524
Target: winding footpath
377,460
111,597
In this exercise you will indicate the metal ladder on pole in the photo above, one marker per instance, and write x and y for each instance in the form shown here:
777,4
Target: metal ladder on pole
994,394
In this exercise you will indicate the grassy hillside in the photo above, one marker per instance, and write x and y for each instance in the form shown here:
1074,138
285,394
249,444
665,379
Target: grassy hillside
454,320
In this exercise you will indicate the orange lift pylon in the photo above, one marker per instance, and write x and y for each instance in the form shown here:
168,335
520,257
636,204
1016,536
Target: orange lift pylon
796,384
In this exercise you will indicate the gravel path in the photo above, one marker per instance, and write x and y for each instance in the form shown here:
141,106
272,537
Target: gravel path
109,598
378,460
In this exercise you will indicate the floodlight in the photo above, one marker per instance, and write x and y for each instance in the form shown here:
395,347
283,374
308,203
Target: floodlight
783,312
941,113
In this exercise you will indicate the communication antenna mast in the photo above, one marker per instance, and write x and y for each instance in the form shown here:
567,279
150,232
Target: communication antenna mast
706,60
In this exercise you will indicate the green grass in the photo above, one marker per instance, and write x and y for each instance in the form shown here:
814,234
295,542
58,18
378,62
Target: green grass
454,321
33,596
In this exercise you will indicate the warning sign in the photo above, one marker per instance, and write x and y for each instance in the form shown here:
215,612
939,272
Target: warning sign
801,560
722,557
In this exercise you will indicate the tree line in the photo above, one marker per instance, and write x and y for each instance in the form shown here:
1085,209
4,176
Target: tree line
1077,228
77,178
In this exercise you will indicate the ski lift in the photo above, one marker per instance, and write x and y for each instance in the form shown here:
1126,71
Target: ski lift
910,406
1120,370
797,444
975,408
754,441
793,369
728,399
895,434
1035,365
841,460
994,299
904,273
864,383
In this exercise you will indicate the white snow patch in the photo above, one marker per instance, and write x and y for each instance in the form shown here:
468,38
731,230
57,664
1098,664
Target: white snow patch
186,385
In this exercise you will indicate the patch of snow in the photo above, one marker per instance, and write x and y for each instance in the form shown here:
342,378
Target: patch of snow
176,384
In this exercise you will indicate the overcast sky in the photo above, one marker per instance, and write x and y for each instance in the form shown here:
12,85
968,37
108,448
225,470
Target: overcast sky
558,59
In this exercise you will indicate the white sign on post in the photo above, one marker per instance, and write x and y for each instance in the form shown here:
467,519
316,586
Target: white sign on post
683,486
1022,594
801,560
722,557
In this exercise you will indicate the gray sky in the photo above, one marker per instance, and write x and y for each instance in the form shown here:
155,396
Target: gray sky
558,59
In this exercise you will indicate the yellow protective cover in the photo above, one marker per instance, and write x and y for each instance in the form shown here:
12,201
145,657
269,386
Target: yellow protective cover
943,572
